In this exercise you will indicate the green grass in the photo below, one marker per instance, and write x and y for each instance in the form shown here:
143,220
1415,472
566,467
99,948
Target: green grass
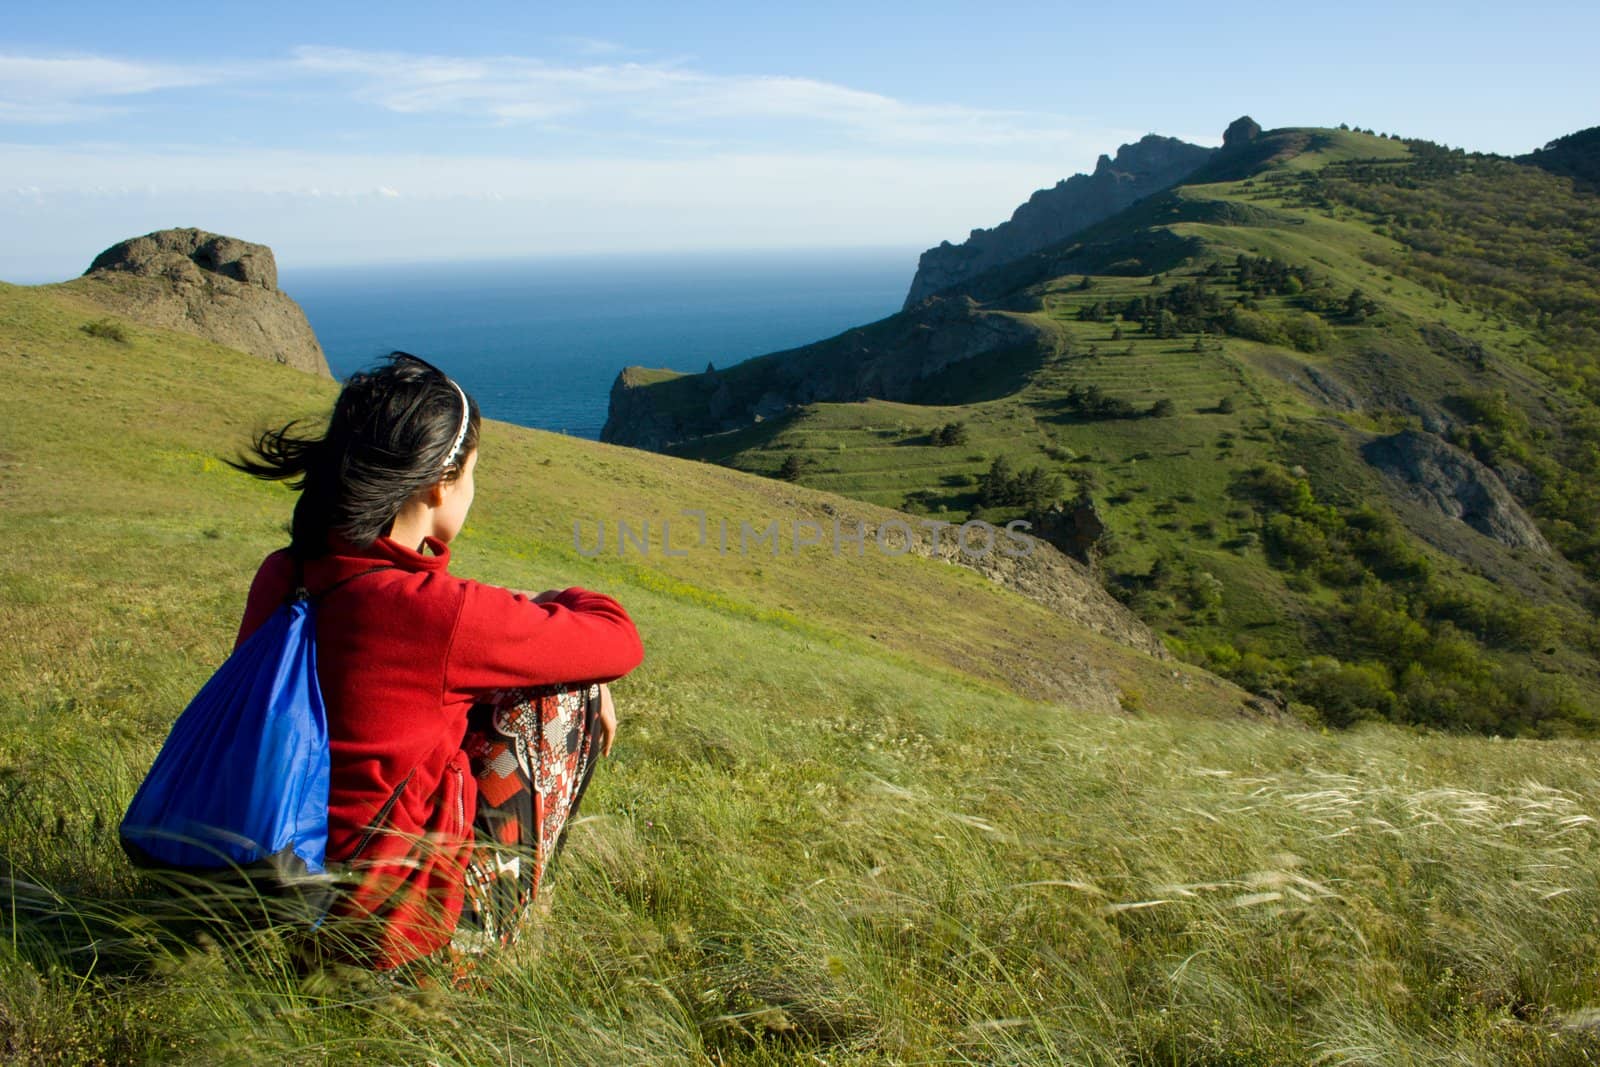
833,829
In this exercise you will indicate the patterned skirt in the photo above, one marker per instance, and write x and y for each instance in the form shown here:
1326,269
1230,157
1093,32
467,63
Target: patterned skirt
532,752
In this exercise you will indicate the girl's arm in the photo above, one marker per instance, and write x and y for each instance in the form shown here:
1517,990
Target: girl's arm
505,639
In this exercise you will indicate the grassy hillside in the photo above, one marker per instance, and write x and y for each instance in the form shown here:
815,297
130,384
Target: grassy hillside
1211,365
829,831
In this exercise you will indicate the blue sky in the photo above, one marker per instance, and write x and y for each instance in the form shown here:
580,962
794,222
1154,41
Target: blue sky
345,133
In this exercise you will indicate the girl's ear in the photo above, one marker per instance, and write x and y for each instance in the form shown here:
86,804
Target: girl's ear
435,494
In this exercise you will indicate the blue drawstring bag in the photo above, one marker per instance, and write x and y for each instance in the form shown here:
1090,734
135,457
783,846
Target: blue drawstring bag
241,784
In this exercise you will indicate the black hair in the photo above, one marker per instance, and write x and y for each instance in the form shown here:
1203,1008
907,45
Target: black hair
391,433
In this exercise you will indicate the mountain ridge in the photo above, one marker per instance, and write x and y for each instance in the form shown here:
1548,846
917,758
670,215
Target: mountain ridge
1308,285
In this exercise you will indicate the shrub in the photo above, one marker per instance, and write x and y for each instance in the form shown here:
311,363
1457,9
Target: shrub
1254,326
1204,591
1345,693
108,329
1307,332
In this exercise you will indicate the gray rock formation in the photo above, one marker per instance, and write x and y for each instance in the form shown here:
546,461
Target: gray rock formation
219,288
1052,215
1241,131
1074,528
1432,472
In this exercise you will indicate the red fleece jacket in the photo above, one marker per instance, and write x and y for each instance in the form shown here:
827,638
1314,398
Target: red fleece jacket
403,654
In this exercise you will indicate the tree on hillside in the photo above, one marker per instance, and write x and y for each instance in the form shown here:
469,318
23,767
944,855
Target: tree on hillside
790,469
994,485
1033,490
1358,306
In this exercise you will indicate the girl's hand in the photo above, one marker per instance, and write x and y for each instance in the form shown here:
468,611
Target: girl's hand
608,720
538,598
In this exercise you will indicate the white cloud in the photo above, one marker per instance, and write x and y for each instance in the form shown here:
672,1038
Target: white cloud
506,89
570,155
51,89
668,105
511,89
593,46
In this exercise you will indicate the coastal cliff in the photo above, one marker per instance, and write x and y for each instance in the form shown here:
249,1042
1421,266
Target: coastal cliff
969,304
897,358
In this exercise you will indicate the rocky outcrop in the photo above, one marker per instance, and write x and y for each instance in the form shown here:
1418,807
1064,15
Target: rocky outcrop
1240,132
219,288
1432,472
1075,528
1052,215
888,360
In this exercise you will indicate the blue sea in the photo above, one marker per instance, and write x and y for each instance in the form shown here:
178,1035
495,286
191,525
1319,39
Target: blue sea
539,342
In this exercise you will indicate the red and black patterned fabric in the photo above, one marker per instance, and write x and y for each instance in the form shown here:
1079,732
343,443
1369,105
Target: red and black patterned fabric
532,752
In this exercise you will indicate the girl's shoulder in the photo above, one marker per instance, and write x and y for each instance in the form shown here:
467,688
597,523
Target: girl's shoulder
275,574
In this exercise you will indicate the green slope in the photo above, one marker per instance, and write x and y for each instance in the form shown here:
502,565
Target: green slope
1323,289
822,835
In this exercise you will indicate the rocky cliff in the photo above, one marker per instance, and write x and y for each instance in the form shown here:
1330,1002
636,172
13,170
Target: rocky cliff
219,288
1052,215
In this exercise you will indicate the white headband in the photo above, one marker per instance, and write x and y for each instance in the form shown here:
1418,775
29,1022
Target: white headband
461,434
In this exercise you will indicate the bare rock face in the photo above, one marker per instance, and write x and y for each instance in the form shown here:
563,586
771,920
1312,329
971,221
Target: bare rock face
219,288
1052,215
1241,131
1436,474
1075,529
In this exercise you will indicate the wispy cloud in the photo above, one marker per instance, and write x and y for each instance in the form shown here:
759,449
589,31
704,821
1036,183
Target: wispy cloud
669,97
591,91
54,89
595,46
506,89
588,148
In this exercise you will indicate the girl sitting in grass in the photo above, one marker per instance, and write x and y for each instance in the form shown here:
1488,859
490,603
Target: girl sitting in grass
463,719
